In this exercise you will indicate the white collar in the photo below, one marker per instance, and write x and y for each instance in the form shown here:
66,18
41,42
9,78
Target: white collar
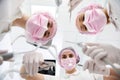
77,72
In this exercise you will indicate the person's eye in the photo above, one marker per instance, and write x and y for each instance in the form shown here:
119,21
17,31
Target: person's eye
83,28
50,24
46,34
71,55
64,57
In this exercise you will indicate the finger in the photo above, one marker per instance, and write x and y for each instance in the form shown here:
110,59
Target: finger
91,63
34,67
1,60
41,60
25,62
95,53
31,65
92,44
99,58
84,48
94,67
86,65
26,67
90,49
36,64
73,2
3,51
37,67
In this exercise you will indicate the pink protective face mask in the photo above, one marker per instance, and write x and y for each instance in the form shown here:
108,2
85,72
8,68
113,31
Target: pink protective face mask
36,27
68,63
95,19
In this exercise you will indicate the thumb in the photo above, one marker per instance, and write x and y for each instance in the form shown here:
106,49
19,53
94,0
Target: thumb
92,44
86,65
84,47
3,51
1,60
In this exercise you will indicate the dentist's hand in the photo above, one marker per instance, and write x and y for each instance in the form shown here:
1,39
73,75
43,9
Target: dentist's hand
98,52
32,61
1,58
94,68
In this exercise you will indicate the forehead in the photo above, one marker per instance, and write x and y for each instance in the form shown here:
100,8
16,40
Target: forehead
65,52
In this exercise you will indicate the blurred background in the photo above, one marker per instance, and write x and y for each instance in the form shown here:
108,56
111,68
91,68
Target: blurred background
67,30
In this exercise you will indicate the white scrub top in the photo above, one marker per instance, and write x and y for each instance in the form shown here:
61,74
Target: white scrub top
114,12
78,75
13,12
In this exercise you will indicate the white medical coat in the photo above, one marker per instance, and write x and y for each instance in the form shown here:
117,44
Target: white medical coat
14,12
78,75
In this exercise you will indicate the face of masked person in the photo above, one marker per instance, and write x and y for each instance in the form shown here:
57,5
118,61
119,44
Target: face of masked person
91,21
68,59
40,28
95,20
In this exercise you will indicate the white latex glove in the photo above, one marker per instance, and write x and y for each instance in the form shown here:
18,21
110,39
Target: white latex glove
94,68
32,61
100,51
1,60
2,52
